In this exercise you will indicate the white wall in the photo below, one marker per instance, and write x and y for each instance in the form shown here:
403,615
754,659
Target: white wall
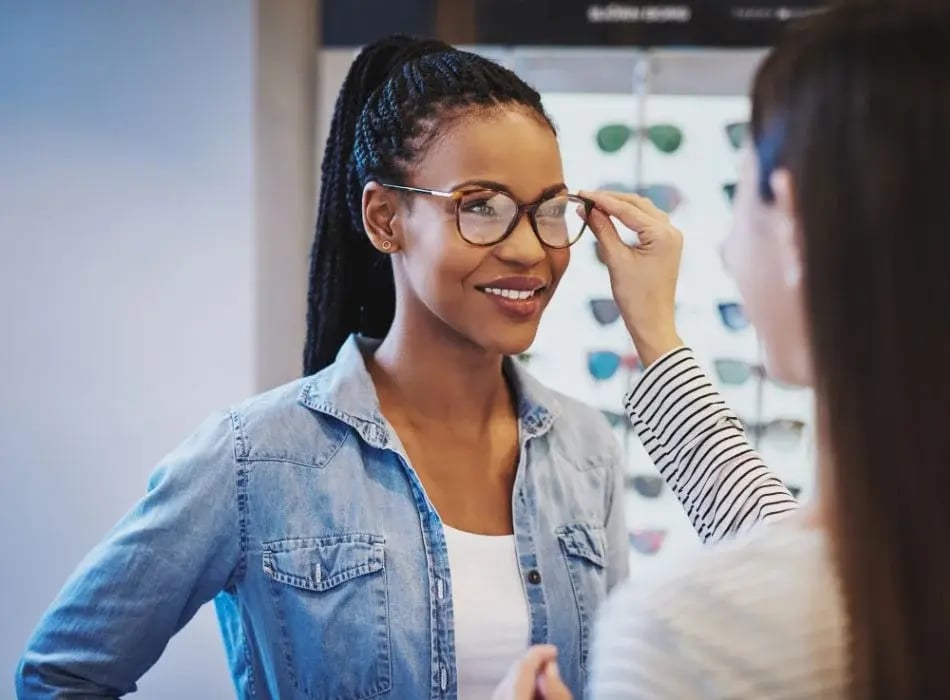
130,254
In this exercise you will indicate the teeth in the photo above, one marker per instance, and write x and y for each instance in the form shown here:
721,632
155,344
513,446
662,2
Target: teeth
516,294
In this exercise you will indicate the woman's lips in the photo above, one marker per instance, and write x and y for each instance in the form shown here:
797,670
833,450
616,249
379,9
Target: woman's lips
519,303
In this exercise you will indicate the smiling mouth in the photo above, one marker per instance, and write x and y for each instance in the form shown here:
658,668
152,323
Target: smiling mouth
513,294
519,299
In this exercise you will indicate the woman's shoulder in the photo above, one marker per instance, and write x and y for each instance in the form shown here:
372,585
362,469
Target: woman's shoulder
274,405
229,435
757,608
771,559
289,423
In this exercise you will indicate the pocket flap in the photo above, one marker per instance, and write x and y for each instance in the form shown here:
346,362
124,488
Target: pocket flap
586,541
318,564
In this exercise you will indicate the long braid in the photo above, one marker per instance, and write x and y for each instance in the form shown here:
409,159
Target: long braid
398,93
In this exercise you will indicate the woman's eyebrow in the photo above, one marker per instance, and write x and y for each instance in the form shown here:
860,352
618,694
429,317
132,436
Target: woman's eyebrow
492,185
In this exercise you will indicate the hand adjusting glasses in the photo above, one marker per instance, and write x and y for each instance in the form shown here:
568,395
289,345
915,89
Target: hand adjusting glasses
485,216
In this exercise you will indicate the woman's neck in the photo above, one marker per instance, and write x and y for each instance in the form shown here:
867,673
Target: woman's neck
437,376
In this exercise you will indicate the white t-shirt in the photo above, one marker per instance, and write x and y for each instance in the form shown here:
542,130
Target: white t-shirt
490,609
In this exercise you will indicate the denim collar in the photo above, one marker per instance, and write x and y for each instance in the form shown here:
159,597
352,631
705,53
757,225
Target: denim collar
345,391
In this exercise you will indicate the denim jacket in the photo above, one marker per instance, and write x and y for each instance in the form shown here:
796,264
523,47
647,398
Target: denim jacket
299,513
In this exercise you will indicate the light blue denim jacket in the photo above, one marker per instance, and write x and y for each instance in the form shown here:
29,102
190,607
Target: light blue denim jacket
299,514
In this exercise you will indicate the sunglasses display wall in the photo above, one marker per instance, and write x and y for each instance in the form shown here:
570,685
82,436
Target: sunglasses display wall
681,149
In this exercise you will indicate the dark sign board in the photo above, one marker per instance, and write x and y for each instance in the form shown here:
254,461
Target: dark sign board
734,23
358,22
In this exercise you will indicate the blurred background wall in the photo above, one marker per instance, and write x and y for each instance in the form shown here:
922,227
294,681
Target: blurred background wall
146,148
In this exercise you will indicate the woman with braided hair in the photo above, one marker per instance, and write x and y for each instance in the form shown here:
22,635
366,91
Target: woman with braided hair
416,511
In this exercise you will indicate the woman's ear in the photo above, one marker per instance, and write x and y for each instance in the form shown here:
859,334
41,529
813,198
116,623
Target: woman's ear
788,229
379,214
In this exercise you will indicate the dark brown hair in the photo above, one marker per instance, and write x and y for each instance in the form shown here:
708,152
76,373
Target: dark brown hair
855,104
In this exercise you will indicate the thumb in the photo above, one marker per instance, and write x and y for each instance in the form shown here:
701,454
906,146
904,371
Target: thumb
521,679
550,685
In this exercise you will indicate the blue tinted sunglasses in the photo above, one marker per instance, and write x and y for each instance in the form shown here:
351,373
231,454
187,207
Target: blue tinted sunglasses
604,364
733,317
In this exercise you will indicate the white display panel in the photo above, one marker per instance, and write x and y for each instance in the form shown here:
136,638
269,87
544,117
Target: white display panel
704,162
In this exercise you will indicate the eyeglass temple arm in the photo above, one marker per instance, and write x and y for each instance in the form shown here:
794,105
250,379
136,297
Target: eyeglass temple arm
420,190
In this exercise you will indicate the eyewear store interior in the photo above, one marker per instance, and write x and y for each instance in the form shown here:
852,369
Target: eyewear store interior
668,124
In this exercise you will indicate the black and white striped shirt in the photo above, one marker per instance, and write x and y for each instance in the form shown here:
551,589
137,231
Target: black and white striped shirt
700,448
757,617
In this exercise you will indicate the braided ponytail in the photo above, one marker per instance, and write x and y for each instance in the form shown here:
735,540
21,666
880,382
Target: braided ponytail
397,94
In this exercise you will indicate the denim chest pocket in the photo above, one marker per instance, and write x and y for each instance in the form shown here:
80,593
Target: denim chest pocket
584,548
331,600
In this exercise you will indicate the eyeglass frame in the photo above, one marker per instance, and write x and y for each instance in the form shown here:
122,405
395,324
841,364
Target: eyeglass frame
522,209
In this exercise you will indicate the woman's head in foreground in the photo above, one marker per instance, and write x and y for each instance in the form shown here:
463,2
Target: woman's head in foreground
841,251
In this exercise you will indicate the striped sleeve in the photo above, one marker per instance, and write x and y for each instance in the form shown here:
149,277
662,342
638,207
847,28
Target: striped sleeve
698,445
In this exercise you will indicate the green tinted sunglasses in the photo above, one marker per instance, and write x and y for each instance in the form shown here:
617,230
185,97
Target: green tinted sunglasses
730,190
737,372
737,133
666,137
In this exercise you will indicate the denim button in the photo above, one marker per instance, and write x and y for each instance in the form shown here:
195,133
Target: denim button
534,577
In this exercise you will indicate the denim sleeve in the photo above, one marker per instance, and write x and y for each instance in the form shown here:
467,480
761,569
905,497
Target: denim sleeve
618,548
176,549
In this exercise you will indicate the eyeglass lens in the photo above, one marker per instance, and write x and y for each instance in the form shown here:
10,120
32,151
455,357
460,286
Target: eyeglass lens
486,216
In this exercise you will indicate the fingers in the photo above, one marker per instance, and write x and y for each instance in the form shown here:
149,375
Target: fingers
606,234
550,685
625,207
644,203
521,681
537,657
651,208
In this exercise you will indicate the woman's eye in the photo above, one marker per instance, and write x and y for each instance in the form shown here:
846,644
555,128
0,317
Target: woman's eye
479,207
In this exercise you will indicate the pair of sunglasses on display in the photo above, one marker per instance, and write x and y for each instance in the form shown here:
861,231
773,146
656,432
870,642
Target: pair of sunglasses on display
730,190
647,485
784,434
605,311
647,541
616,420
604,364
667,138
619,421
733,372
665,197
732,316
737,133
